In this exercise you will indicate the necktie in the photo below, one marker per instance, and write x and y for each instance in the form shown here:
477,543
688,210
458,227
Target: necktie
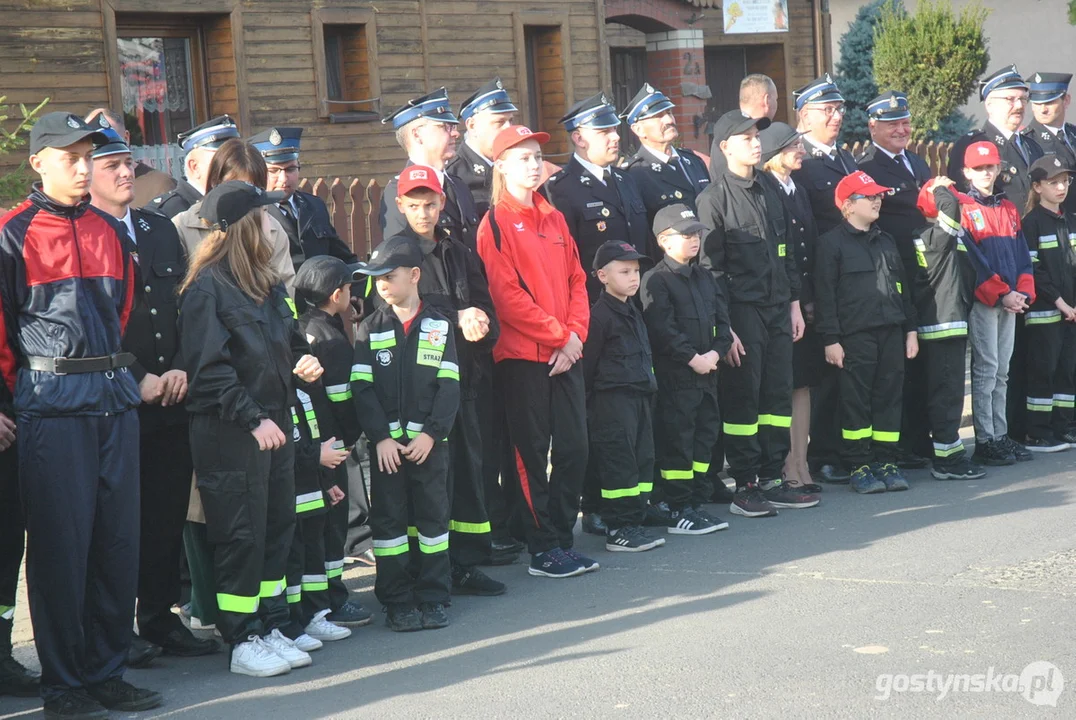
1019,146
286,211
903,160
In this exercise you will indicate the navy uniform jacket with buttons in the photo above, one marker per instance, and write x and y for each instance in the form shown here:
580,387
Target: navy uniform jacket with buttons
476,174
597,212
406,384
899,216
616,355
748,246
860,284
174,202
662,184
686,315
1012,180
1051,239
153,328
239,354
819,177
459,220
330,345
1064,147
803,234
315,234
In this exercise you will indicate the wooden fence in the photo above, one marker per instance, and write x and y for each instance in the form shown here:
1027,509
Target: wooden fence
355,205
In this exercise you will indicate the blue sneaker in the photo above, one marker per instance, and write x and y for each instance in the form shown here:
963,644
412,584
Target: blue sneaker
891,475
588,564
864,482
555,563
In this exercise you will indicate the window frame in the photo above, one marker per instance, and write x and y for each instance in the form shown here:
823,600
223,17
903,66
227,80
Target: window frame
539,19
319,18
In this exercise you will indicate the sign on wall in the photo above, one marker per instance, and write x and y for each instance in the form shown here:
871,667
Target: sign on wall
755,16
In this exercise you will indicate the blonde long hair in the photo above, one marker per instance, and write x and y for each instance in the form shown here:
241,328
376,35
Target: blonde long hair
246,252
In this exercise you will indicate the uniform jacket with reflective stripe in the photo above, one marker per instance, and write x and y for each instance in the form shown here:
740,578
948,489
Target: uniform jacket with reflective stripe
334,351
312,480
406,384
67,283
944,276
1051,240
617,353
860,284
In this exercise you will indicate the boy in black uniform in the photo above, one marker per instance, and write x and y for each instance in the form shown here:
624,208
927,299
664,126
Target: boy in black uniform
942,293
323,284
619,372
862,303
406,384
687,319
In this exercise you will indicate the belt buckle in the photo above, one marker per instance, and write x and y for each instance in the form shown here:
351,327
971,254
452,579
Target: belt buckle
57,363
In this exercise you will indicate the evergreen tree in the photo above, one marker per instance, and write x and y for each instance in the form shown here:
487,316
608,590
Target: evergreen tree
855,71
15,182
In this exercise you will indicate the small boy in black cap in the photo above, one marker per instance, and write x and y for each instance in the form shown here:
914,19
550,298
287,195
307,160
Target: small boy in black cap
323,287
406,383
619,372
687,320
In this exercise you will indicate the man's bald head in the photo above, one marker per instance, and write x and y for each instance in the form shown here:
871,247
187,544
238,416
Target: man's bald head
758,96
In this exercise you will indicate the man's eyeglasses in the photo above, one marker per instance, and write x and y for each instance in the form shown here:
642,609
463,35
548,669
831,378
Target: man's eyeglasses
1012,101
830,110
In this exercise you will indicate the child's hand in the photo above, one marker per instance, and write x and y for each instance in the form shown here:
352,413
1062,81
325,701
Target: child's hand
308,368
560,362
911,345
701,364
331,457
1014,302
419,449
798,326
737,351
388,455
942,181
336,495
1067,310
835,355
573,348
268,435
474,323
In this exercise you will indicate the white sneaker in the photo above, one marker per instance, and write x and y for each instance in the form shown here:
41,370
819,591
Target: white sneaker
322,629
308,644
285,648
256,659
197,624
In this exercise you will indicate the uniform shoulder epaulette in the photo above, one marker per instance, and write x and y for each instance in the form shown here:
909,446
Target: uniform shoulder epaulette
151,210
555,177
633,160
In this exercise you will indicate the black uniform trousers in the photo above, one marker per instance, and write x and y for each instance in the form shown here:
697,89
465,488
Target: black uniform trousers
79,485
871,383
757,395
1050,369
687,421
504,498
915,422
945,361
413,501
621,430
307,582
545,412
335,531
165,475
1017,391
469,527
249,500
825,444
12,535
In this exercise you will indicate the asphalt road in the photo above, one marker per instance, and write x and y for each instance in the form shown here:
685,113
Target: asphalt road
815,613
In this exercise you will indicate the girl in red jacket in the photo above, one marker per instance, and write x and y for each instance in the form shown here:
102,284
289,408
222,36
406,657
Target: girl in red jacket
539,293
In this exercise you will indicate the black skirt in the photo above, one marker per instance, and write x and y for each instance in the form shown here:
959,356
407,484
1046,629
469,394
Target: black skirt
808,359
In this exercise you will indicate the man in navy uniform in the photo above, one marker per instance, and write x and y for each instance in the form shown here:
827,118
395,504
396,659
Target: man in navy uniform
427,131
892,165
484,114
663,173
199,143
1049,103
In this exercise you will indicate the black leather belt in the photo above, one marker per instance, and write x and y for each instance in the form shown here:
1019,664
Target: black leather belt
76,366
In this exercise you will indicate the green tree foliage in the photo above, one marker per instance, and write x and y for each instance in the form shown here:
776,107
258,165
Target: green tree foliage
855,71
14,184
934,56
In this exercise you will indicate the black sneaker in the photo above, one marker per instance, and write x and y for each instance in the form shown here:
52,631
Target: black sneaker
1068,435
779,494
434,616
17,681
631,539
657,515
1018,451
962,469
722,493
832,475
351,614
74,705
750,502
403,618
993,454
1045,445
142,652
589,565
710,517
118,694
472,581
593,524
503,552
907,460
181,642
688,522
891,476
555,563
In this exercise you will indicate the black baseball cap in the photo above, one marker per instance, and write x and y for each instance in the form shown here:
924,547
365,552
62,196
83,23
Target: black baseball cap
397,251
60,129
1048,166
616,250
736,122
678,217
776,138
320,276
229,202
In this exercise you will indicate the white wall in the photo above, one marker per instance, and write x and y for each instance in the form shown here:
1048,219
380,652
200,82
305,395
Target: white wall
1034,34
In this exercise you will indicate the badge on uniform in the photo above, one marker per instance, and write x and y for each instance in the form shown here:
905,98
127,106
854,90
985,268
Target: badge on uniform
605,212
655,167
679,195
977,219
585,179
384,358
432,336
479,170
1046,135
143,224
274,137
601,226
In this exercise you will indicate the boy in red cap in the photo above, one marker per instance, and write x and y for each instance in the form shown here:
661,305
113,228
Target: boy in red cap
864,312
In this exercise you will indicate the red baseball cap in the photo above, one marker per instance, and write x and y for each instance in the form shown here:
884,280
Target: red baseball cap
418,176
513,135
858,183
981,153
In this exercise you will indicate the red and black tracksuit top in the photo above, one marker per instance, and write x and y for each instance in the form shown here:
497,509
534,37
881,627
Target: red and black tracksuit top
67,282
